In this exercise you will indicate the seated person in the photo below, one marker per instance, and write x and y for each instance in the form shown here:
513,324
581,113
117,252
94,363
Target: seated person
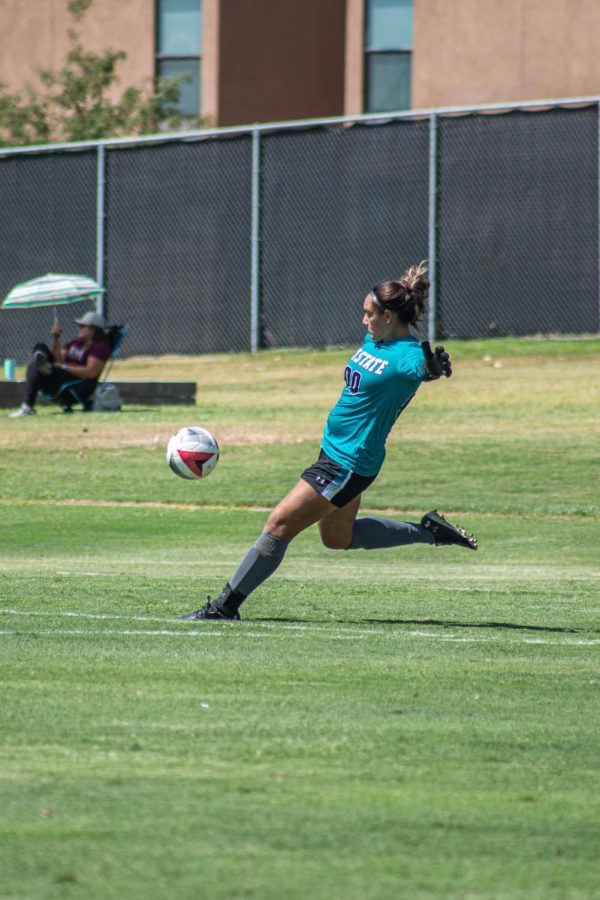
67,374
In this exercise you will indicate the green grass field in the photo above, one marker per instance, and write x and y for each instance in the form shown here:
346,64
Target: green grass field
417,723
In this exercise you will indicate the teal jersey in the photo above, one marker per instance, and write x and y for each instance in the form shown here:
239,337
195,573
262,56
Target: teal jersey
381,379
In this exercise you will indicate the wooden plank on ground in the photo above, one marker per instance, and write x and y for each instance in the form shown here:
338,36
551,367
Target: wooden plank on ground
156,393
143,393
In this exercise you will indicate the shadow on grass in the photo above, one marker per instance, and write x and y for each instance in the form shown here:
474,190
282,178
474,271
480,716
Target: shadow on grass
423,622
90,414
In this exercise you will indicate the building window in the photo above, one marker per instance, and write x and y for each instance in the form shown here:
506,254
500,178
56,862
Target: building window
179,48
388,54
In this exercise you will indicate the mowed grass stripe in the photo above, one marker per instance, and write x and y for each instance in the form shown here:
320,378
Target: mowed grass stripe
323,630
191,507
420,723
204,633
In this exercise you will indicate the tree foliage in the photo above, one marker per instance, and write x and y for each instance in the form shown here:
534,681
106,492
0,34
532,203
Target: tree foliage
76,102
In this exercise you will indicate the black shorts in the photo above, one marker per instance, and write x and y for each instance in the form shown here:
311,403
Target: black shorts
334,482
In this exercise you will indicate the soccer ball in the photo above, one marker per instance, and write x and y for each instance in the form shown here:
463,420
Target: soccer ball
192,452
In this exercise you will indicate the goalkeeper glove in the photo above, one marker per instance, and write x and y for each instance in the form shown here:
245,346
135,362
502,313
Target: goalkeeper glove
437,363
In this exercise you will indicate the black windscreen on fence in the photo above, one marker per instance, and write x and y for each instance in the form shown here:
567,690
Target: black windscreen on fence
338,207
178,245
342,208
47,224
518,223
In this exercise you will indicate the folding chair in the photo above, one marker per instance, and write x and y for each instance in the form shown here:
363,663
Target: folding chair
115,335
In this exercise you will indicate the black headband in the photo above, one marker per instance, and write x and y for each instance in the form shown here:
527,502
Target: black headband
392,305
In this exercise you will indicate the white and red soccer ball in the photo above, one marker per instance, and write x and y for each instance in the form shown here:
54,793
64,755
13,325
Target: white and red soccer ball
192,452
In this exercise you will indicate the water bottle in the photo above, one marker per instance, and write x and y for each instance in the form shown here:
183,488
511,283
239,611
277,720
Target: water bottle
9,369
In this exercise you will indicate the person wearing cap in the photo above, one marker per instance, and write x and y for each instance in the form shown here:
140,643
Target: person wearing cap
69,373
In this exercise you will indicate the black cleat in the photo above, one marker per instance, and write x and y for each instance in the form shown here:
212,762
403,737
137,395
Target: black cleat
211,611
444,533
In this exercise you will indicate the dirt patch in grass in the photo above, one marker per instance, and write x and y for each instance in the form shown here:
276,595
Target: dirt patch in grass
113,434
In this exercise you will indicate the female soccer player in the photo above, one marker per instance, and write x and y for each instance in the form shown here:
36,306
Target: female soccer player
381,380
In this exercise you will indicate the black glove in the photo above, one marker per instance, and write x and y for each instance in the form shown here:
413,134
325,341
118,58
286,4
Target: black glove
436,363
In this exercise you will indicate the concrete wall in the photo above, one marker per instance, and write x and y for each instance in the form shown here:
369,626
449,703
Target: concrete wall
482,51
354,57
35,33
265,60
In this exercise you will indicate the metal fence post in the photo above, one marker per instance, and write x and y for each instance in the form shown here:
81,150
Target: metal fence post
255,329
433,227
102,304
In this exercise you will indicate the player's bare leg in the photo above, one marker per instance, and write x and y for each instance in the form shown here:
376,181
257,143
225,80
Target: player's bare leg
298,510
336,528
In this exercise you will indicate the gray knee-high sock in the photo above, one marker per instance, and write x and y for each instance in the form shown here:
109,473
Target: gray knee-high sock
259,563
373,533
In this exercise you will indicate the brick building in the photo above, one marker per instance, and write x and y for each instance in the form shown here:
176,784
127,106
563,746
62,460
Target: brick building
268,60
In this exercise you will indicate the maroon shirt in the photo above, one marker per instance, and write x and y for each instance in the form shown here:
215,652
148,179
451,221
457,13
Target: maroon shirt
78,353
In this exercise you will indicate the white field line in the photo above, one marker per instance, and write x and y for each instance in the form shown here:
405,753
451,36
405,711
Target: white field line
200,633
79,615
341,633
128,632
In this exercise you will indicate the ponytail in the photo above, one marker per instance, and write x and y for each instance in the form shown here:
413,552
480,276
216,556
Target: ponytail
406,295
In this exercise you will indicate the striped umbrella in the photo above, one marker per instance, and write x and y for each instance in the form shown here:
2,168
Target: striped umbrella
52,289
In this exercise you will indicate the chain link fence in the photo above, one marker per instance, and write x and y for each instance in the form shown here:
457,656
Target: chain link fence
271,236
518,223
47,224
178,246
342,208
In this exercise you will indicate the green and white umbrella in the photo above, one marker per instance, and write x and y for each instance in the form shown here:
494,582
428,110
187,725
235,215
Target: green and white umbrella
52,289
